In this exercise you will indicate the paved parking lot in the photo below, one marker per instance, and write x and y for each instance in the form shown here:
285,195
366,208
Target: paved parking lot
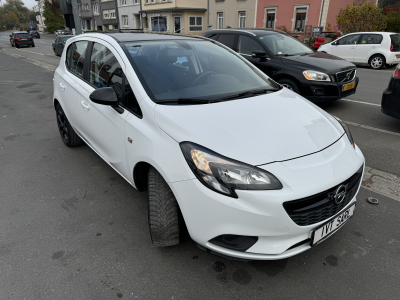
72,228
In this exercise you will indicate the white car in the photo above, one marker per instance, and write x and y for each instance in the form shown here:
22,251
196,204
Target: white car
374,48
257,171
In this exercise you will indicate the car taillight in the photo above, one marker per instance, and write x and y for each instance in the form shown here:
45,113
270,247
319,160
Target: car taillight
397,72
30,37
391,47
16,38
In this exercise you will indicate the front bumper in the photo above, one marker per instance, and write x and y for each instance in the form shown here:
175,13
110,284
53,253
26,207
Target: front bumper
208,214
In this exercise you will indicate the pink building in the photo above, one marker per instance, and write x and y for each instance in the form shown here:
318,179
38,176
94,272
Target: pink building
299,17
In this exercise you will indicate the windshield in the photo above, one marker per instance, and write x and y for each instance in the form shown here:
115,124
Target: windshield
192,69
281,44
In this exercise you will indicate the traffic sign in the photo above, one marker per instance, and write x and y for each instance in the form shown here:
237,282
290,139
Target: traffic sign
30,26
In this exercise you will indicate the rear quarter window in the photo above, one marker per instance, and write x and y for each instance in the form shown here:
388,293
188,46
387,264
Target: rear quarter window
395,39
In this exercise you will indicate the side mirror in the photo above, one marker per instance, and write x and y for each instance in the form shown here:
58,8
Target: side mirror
104,96
259,54
334,44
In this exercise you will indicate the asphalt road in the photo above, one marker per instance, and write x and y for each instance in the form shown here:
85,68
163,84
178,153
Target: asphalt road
72,228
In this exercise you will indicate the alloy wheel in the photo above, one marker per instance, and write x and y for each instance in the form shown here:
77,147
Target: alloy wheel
62,124
376,62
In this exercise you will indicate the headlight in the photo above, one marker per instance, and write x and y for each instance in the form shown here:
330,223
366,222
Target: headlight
223,174
317,76
347,130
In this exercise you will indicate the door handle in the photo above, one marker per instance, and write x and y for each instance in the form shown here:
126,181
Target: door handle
63,86
85,105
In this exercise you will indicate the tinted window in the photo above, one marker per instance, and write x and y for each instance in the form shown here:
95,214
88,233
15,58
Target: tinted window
349,40
64,39
246,45
212,36
227,39
171,70
23,35
395,41
282,44
105,70
371,39
76,57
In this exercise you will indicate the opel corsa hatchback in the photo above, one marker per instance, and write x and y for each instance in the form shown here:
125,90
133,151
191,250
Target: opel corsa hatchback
257,171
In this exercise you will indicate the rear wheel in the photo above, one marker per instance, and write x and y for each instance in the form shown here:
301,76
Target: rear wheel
163,212
377,62
290,84
12,45
33,45
68,135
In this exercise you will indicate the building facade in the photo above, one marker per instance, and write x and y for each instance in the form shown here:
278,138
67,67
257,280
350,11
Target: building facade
89,13
129,14
299,17
109,15
235,14
175,16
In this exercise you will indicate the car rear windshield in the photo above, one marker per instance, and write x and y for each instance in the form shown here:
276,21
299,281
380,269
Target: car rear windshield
395,41
281,44
22,35
192,69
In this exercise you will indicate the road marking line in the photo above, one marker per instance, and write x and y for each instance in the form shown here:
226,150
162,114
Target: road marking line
372,128
361,102
33,61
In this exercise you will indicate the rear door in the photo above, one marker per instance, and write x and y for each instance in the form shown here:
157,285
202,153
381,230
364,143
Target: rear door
346,46
368,46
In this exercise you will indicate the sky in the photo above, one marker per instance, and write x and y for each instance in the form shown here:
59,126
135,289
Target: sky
29,3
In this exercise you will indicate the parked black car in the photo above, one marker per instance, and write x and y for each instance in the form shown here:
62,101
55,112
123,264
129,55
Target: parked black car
391,96
35,34
58,44
314,75
21,38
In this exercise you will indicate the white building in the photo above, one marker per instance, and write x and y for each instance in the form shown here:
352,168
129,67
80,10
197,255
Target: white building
129,14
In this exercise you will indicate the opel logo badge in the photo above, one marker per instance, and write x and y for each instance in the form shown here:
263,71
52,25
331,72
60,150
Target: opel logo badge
340,194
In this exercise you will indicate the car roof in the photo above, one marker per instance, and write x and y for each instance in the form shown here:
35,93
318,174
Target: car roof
17,31
252,31
131,37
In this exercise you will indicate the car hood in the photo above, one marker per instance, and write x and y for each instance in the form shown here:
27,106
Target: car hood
320,62
258,130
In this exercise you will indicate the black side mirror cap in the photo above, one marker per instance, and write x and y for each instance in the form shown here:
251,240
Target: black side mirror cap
104,96
259,54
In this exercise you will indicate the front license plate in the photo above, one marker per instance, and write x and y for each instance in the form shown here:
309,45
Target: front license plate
333,225
349,86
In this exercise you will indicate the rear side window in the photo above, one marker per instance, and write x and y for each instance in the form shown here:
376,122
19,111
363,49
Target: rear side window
246,45
22,35
212,36
227,39
371,39
395,41
76,57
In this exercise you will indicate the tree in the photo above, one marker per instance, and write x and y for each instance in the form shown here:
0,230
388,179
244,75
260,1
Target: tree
360,15
18,9
12,20
54,19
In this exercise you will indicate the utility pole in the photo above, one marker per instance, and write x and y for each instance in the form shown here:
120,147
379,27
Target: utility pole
77,20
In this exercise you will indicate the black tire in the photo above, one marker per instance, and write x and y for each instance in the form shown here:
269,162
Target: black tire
11,44
33,45
68,135
377,62
163,213
16,46
290,84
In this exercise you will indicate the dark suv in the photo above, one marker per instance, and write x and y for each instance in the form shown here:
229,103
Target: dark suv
21,38
314,75
35,34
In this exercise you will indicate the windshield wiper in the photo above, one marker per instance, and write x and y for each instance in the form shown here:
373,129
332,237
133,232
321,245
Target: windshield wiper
184,100
245,94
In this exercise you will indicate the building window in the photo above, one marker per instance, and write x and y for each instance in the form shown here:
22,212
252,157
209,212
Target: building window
270,18
95,7
125,21
220,17
136,1
242,19
159,23
300,20
106,14
123,2
195,23
112,14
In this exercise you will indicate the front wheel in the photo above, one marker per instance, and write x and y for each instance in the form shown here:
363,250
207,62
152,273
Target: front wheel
68,135
290,84
163,214
377,62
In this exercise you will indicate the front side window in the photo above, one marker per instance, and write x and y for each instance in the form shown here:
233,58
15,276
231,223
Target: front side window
371,39
300,20
282,44
246,45
242,19
195,23
349,39
105,70
192,69
75,57
220,20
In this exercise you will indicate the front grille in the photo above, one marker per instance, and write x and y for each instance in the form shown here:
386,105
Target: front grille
319,207
346,76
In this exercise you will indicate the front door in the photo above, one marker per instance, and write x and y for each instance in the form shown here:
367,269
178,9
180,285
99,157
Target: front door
177,24
346,47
